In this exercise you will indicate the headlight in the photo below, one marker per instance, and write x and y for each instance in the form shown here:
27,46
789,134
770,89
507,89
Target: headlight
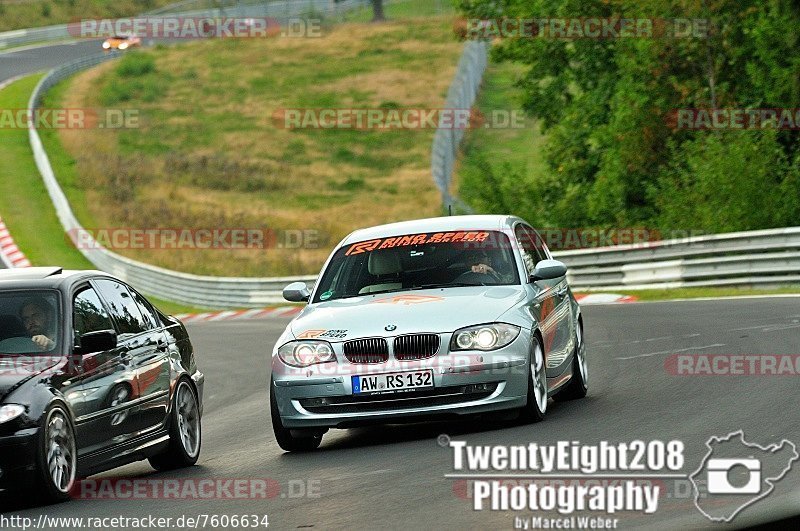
106,45
123,45
10,412
484,337
306,353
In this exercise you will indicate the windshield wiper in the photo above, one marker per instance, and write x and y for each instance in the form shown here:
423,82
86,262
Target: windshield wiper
446,285
425,286
394,290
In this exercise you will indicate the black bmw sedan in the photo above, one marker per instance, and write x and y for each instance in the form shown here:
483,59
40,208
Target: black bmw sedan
92,377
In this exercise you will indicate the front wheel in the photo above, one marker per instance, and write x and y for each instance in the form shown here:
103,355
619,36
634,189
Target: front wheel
579,383
536,406
290,440
185,431
56,457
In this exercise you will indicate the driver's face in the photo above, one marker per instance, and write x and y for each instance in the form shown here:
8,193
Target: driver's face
480,259
34,320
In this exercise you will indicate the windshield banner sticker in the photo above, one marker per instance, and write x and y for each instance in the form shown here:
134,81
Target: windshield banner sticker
416,239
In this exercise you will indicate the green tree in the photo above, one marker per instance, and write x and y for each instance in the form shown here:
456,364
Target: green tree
613,157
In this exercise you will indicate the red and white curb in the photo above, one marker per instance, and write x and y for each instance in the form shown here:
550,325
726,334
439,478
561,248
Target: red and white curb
586,299
240,315
9,252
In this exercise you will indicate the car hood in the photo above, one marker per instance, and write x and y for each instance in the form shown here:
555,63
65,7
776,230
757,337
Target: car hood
16,370
433,310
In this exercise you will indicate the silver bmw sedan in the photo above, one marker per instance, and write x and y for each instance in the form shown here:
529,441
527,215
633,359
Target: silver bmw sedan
428,319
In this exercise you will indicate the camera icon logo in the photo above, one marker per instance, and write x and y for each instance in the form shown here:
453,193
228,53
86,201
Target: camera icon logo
719,474
735,474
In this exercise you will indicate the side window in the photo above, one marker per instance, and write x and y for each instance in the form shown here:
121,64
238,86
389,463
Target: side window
89,314
530,253
150,316
122,306
538,243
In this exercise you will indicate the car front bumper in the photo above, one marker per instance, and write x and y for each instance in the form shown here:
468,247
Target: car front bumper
17,455
465,383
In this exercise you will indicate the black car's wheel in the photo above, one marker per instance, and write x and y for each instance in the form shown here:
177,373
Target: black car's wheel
185,431
579,383
56,456
286,439
536,406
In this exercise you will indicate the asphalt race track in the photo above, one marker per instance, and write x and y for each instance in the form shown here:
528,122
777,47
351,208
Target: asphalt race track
393,476
27,60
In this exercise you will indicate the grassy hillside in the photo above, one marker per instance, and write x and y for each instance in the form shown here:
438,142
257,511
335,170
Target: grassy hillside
209,154
17,14
25,205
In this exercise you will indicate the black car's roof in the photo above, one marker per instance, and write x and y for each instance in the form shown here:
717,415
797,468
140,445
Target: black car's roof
42,277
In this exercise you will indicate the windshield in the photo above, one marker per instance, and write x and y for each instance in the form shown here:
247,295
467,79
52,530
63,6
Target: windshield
418,261
29,322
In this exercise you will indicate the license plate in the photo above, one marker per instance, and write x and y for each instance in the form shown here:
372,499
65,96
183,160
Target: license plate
392,382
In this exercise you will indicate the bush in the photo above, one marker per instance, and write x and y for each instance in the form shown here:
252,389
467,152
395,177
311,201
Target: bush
729,181
135,77
135,64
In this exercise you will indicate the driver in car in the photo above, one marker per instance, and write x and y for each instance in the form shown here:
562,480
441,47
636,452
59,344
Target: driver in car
480,262
37,318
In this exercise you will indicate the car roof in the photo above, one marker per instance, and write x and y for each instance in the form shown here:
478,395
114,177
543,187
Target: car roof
42,277
440,224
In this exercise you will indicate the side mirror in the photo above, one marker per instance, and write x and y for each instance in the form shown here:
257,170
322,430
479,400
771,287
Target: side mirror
96,342
296,292
548,270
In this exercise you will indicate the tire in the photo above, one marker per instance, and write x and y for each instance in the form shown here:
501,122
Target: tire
185,431
286,440
578,384
536,406
56,457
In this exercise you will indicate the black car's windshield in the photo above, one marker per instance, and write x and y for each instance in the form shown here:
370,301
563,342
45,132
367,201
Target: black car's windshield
29,322
417,261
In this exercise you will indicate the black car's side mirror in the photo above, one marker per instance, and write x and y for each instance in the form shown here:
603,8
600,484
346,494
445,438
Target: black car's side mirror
548,270
96,342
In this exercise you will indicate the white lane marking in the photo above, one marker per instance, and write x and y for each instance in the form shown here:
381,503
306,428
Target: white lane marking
732,298
768,327
777,328
607,344
688,336
7,82
673,351
371,473
53,44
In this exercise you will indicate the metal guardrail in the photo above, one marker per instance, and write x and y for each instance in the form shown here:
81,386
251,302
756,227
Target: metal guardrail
461,95
763,257
20,37
226,7
279,10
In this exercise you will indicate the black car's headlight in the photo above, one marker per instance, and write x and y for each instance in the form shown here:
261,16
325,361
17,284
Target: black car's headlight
9,412
484,337
306,353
